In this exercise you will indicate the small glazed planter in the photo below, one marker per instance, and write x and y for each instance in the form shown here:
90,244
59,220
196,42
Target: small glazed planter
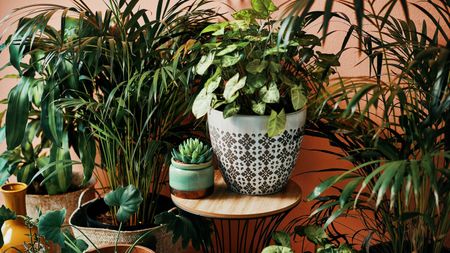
250,161
191,181
122,248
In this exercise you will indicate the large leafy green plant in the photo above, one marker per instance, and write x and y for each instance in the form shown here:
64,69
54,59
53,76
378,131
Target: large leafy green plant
394,128
248,73
38,134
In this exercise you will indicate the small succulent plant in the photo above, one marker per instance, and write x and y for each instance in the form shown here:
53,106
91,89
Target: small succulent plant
192,151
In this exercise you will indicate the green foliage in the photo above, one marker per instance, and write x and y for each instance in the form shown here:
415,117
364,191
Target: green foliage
50,226
188,228
245,71
127,199
192,151
393,127
315,234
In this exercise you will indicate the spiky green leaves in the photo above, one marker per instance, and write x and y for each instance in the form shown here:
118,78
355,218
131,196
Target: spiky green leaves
128,199
192,151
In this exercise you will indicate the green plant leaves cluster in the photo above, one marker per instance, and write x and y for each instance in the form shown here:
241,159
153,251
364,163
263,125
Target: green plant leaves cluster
246,71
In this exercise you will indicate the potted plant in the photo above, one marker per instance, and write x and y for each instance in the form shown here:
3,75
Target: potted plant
394,129
139,107
255,94
49,227
39,136
191,174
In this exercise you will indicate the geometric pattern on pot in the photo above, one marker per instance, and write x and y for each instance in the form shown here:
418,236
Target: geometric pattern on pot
251,162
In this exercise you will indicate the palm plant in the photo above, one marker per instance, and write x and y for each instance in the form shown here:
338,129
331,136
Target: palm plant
394,128
143,88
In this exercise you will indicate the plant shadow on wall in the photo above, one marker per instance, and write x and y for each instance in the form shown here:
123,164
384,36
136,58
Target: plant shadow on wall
394,127
113,82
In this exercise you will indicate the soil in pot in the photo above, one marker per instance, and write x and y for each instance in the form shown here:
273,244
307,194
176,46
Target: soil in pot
121,249
159,240
99,216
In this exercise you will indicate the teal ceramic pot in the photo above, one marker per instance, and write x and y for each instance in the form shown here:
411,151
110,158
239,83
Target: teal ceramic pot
191,181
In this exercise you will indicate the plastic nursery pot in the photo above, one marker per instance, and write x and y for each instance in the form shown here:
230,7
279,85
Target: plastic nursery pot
122,248
191,181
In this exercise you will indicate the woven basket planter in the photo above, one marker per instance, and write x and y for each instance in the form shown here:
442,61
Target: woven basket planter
69,201
160,237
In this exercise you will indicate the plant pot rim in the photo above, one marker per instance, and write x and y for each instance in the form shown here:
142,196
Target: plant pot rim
83,208
208,163
15,187
90,184
120,245
303,110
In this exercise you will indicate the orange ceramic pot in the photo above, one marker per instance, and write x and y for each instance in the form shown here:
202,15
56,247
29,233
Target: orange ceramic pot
15,232
122,248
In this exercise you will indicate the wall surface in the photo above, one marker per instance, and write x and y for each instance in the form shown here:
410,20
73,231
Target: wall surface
309,160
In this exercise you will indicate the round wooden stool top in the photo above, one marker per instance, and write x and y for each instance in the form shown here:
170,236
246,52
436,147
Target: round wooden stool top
225,204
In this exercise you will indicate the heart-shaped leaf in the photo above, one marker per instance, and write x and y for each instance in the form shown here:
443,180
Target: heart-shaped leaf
265,7
233,85
49,226
202,103
276,123
5,214
298,98
256,66
128,199
271,94
258,107
204,63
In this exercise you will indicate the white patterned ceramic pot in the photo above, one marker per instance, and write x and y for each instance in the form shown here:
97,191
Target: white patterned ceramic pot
250,161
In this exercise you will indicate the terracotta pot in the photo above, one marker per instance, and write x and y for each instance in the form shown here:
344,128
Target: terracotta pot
68,200
15,232
122,248
251,162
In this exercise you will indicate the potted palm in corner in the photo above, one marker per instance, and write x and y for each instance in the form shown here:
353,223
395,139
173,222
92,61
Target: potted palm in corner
255,95
394,129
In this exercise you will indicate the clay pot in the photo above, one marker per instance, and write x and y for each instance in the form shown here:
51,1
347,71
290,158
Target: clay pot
15,232
122,248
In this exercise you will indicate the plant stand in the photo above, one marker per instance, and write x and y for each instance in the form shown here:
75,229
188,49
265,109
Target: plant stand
242,223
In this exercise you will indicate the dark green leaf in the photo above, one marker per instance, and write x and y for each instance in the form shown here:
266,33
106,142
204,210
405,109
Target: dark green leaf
128,199
231,110
314,233
281,238
17,112
86,152
50,224
348,190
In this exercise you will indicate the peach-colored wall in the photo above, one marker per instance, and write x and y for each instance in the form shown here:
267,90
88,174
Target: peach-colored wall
308,160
